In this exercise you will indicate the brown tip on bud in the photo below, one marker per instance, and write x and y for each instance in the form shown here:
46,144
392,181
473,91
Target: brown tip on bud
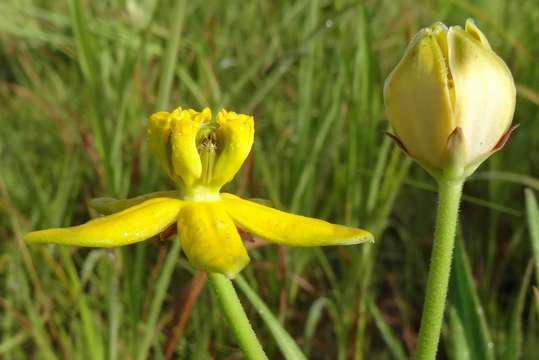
455,139
168,232
398,142
245,236
456,154
503,139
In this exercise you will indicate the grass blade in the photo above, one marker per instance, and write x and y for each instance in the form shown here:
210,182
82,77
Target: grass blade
157,301
532,210
288,346
392,341
313,318
457,338
171,55
463,296
513,350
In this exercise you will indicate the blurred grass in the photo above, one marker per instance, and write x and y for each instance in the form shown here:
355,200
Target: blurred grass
77,82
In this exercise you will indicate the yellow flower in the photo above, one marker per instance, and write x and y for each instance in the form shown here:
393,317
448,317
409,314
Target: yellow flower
450,100
200,155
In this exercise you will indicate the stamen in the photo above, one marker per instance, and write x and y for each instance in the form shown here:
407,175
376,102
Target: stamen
207,148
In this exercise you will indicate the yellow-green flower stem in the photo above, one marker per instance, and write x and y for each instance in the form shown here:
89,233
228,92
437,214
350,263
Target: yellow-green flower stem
236,317
449,193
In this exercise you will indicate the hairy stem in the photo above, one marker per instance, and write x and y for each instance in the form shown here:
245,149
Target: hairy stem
236,317
449,193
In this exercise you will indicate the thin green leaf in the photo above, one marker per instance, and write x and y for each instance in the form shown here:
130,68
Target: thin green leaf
157,301
513,348
532,211
392,341
463,296
286,343
457,337
313,318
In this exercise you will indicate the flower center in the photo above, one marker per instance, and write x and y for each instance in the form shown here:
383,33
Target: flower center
207,149
199,153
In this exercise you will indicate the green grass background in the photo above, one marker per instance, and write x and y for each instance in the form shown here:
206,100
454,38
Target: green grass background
78,80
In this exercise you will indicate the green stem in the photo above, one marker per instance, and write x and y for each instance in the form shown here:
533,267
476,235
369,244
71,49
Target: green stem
449,193
236,317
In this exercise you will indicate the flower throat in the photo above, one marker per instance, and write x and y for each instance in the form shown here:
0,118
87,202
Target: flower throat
207,146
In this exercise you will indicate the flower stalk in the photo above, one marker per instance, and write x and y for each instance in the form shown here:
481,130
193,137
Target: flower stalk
450,102
449,194
236,317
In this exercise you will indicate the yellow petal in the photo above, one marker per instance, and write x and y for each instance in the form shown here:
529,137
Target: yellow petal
135,224
418,95
159,139
108,205
185,157
235,136
484,88
210,239
473,30
289,229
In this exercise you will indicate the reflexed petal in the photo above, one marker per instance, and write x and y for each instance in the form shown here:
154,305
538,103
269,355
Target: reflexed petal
108,205
235,136
210,240
135,224
484,89
417,95
284,228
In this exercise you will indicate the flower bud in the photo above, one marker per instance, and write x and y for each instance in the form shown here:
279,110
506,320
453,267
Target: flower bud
450,100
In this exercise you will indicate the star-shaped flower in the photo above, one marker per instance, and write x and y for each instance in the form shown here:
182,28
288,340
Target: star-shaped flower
200,155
